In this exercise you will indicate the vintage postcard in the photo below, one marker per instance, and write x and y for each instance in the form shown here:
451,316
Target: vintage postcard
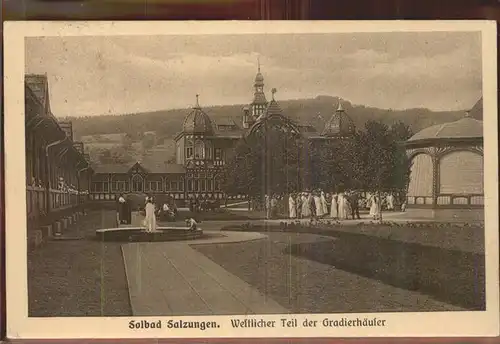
251,179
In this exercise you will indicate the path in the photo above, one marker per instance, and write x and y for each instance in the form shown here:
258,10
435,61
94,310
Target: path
174,279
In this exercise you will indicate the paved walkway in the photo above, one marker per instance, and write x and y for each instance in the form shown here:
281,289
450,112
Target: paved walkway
174,279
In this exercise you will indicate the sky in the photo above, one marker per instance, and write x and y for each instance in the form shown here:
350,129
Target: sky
97,75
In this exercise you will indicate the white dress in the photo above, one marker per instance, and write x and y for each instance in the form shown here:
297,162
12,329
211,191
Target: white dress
342,213
150,220
390,202
334,212
318,206
374,208
292,207
306,211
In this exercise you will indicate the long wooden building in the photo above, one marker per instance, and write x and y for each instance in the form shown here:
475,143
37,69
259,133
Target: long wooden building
58,173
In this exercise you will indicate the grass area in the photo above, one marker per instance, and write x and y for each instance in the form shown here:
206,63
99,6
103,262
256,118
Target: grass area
305,285
446,262
464,238
79,277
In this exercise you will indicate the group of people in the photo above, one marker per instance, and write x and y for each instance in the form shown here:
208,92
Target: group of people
339,206
165,211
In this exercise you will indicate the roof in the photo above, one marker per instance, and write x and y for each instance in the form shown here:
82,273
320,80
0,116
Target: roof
477,110
259,98
197,121
38,84
259,79
340,124
224,121
466,127
273,109
149,165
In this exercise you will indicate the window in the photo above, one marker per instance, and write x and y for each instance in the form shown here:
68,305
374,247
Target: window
210,186
174,185
218,154
189,152
199,150
217,185
208,150
181,185
137,184
155,186
203,185
119,185
196,185
97,186
190,185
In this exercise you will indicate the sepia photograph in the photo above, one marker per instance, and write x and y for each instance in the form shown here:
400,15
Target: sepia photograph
269,180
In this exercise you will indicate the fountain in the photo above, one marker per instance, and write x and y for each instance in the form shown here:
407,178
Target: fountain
138,234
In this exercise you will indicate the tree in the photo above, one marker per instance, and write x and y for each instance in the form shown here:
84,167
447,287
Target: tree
270,160
386,167
336,164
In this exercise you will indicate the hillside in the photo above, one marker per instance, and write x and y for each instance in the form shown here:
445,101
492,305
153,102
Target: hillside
168,122
105,133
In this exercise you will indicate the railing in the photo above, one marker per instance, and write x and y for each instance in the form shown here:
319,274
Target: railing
447,200
180,195
36,202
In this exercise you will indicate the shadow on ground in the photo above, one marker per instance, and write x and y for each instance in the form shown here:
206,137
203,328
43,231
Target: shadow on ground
451,276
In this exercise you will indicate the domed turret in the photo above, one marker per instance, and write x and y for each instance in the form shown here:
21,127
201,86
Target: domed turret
198,122
340,124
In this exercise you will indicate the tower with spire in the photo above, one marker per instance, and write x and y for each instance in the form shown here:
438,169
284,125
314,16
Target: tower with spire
259,103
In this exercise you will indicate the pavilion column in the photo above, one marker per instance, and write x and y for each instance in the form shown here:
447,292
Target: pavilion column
435,179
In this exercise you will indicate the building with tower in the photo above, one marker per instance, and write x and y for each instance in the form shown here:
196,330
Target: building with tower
203,147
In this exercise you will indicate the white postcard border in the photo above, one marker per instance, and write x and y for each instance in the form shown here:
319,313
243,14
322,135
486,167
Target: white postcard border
462,324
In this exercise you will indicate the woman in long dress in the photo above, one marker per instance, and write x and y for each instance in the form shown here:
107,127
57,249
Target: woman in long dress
306,210
341,206
150,220
375,208
292,210
344,208
334,212
298,205
324,205
318,206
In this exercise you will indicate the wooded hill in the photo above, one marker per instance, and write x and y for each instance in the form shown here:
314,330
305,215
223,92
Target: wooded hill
315,111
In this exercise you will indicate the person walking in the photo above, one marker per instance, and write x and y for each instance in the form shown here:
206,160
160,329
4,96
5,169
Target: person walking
150,219
334,211
292,207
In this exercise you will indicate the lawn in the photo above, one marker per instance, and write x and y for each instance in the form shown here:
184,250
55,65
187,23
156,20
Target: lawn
305,285
79,277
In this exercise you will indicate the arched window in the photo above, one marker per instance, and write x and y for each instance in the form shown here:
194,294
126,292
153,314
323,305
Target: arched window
199,150
137,183
421,176
461,172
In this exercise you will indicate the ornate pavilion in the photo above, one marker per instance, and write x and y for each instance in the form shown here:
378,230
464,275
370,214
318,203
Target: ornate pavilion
447,169
202,149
